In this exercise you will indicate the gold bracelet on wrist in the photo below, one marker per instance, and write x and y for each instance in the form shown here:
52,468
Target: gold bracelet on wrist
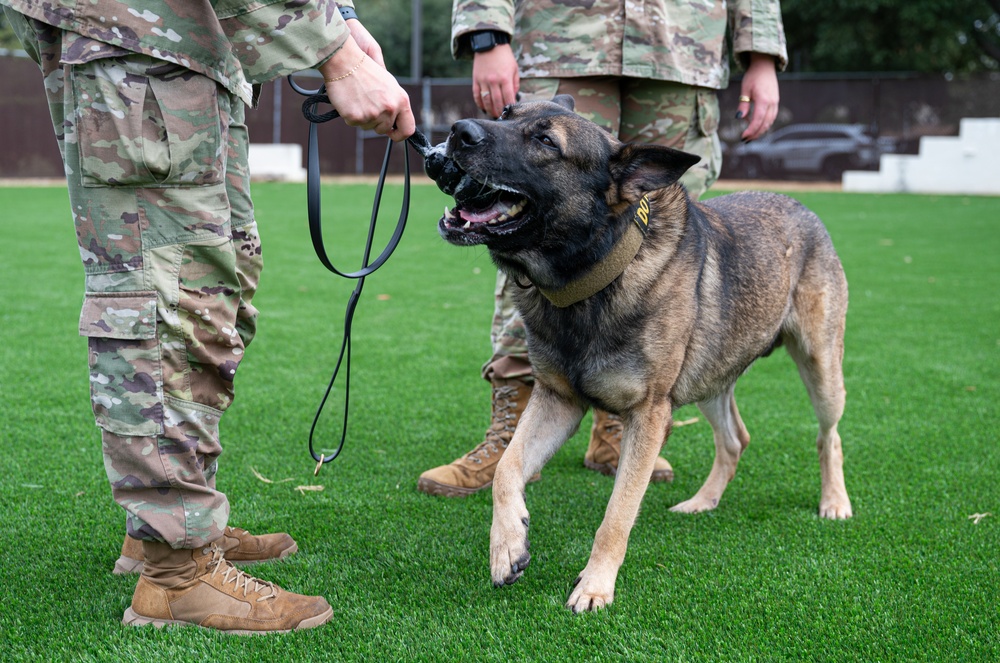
340,78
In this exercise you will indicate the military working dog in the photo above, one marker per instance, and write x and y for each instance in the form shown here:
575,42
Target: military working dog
638,300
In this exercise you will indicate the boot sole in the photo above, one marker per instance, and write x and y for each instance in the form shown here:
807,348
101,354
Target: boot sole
132,618
432,487
658,476
127,565
443,490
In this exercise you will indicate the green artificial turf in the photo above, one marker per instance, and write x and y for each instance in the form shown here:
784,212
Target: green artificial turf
910,578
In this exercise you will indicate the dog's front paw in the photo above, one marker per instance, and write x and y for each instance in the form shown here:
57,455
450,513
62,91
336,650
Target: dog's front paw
590,593
696,504
835,509
509,554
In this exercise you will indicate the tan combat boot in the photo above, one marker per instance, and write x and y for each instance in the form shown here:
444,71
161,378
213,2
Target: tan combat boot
474,471
239,546
606,448
201,587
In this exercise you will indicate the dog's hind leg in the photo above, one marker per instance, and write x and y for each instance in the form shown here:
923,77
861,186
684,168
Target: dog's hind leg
548,421
641,441
731,438
819,358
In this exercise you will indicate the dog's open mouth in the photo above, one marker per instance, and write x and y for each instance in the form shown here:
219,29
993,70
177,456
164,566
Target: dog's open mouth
481,209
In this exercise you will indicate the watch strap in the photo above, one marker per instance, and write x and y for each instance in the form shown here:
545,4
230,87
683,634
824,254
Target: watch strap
485,40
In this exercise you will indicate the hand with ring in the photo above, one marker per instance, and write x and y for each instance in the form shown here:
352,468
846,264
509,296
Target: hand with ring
759,88
495,79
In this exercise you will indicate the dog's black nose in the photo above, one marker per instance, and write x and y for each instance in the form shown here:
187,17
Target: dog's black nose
468,133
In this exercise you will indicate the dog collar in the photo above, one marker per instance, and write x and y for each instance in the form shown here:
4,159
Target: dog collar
603,273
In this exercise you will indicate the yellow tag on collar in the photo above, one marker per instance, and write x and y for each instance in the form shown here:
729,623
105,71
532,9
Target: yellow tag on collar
642,214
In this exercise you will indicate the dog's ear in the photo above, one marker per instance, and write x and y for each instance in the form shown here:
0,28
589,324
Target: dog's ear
565,100
639,169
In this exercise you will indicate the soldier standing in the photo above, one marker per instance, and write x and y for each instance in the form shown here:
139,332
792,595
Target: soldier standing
647,72
148,104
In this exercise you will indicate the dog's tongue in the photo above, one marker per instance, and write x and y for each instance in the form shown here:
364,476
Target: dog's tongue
499,212
485,215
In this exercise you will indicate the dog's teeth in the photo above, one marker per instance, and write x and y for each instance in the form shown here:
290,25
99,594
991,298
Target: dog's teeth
468,224
516,209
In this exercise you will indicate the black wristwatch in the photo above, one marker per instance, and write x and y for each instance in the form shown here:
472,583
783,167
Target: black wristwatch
485,40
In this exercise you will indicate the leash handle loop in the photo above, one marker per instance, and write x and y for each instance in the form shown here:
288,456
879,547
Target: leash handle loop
313,198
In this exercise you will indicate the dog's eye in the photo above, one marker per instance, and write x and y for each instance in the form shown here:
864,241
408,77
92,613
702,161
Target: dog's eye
546,141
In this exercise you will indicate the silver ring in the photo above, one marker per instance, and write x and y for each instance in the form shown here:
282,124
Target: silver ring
484,93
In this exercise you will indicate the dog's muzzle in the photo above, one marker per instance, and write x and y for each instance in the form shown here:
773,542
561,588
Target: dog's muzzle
480,208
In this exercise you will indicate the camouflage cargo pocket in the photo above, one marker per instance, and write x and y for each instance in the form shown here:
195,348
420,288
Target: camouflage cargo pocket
708,111
147,123
125,373
119,315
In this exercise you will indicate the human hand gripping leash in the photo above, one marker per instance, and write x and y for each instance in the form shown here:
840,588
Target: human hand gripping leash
420,143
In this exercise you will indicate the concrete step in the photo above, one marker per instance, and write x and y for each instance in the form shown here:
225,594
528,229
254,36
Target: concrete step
965,164
976,129
276,162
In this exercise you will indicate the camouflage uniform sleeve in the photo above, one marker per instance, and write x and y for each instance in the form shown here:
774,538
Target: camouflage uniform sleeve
757,28
281,38
472,15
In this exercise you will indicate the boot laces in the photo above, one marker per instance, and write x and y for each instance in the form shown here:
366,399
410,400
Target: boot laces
498,435
230,574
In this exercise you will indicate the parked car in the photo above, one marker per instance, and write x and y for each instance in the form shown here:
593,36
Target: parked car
808,149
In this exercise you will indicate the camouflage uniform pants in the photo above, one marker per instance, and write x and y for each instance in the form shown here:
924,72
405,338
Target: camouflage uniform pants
634,110
156,162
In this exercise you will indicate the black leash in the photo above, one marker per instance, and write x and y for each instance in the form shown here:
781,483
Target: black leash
309,109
